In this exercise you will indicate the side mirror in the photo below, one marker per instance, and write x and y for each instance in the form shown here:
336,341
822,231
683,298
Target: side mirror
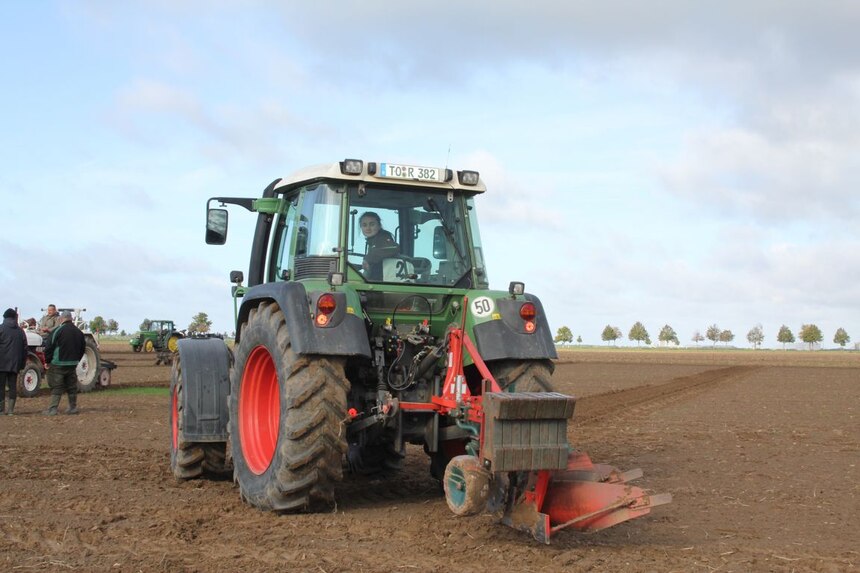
440,243
236,277
216,226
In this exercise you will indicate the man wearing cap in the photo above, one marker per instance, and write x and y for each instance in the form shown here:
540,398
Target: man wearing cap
65,348
13,356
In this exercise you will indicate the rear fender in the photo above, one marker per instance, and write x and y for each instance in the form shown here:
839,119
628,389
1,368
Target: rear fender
205,386
344,335
504,335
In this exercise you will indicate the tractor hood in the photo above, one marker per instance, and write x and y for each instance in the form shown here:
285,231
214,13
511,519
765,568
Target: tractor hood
33,338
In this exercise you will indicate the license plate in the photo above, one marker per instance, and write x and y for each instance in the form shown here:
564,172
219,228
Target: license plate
411,172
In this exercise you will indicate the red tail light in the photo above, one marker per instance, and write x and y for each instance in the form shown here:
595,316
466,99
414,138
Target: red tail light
528,311
326,304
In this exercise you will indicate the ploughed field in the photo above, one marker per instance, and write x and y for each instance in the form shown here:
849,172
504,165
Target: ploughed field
759,449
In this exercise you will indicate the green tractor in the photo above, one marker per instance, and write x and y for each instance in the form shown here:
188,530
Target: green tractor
367,324
161,337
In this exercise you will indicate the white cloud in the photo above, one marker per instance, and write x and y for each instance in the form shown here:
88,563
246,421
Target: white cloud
526,201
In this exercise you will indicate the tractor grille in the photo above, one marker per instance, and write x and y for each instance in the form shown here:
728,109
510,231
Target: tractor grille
314,267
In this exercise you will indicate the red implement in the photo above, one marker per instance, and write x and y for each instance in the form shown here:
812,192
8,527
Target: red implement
587,497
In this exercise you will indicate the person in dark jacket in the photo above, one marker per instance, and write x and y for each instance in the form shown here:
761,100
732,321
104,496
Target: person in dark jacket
13,356
64,350
380,245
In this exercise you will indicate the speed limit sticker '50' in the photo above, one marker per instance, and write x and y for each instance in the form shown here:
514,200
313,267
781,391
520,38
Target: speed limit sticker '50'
483,306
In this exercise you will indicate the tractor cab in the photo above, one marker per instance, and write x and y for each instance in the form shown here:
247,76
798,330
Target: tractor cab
375,224
383,230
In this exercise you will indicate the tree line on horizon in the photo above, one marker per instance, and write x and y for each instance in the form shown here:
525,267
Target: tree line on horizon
808,333
199,323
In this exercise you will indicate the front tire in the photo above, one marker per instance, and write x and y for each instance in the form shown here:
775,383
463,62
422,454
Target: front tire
286,416
30,378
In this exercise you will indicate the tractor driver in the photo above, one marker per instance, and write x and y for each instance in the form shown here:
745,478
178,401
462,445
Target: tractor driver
50,321
380,245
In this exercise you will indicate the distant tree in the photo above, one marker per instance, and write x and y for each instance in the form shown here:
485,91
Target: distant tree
112,326
785,336
611,334
639,334
756,336
726,336
200,323
579,339
713,333
697,337
98,324
122,333
810,334
841,337
564,335
146,324
667,335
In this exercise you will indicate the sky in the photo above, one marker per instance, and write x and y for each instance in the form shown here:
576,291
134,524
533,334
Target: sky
668,162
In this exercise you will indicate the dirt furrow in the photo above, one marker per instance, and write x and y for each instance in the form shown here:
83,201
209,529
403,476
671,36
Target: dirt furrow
592,409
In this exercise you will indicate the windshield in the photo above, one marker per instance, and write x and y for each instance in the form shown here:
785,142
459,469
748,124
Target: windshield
408,236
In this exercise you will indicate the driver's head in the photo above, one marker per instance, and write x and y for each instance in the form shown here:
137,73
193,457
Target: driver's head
370,224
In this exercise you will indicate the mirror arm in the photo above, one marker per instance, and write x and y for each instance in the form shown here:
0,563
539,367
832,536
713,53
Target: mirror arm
245,202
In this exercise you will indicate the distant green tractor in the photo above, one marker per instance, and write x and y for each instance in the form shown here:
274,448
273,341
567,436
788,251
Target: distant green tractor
161,336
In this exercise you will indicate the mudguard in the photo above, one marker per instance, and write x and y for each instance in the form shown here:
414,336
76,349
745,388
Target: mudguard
205,386
345,335
506,338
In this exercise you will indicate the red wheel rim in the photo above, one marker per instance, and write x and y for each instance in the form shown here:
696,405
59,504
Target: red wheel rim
174,419
259,410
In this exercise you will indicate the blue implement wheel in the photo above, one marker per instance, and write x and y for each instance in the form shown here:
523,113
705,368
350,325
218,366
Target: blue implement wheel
467,485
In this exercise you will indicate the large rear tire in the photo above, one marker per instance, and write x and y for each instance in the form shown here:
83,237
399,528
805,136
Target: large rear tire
286,418
523,375
189,460
30,378
89,367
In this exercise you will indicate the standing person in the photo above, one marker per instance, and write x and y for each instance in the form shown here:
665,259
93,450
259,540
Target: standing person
380,244
13,356
49,322
65,348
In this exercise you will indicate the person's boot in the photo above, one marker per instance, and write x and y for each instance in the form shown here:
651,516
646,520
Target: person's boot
11,409
52,409
73,404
